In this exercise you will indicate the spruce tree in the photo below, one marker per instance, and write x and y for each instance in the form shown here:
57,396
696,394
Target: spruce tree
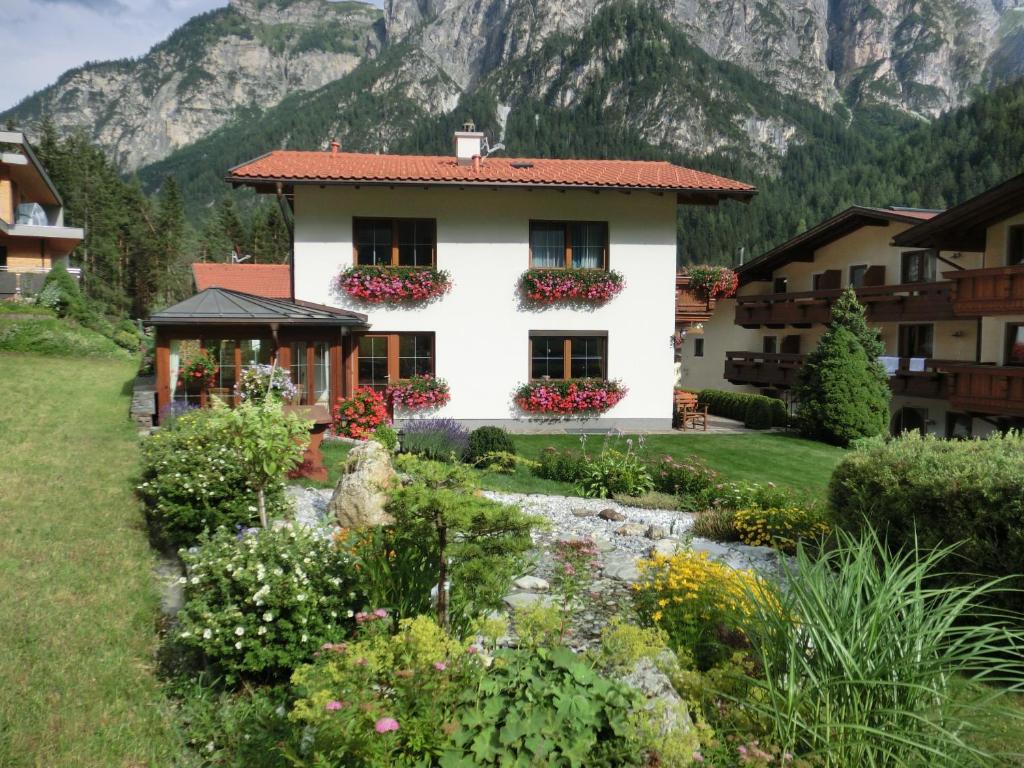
842,390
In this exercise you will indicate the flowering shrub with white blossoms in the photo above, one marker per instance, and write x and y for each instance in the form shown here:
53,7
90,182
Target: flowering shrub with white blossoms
192,482
258,382
260,602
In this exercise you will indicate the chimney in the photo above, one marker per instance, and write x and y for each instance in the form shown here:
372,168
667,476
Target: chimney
335,146
469,144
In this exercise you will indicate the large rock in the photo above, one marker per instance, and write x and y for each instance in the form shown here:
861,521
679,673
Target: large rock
360,498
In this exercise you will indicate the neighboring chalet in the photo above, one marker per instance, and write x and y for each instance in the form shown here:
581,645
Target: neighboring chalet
476,224
33,237
945,289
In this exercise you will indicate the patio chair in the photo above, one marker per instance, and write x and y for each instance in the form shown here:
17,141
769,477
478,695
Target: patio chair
691,415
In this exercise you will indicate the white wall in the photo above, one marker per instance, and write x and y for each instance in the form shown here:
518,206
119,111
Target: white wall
481,328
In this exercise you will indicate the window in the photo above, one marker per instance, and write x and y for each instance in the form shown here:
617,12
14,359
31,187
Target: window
311,371
780,285
857,274
698,347
564,245
568,357
770,345
958,426
916,340
1015,245
1015,344
3,255
383,359
232,355
394,242
917,266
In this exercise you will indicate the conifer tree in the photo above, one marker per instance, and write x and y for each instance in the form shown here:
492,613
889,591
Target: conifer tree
842,390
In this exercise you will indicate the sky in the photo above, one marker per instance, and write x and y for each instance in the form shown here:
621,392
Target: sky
41,39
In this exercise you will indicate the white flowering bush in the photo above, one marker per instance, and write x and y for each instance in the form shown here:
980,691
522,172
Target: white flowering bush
193,480
260,602
259,382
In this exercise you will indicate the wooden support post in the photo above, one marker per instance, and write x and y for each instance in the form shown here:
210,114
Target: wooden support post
162,365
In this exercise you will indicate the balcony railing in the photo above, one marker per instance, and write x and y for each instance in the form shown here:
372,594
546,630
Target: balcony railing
989,291
690,307
991,389
906,302
26,282
780,370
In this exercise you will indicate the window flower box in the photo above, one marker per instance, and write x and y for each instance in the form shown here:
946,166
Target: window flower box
419,393
568,397
711,281
547,286
383,284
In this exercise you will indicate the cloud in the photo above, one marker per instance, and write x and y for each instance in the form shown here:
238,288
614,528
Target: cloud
41,39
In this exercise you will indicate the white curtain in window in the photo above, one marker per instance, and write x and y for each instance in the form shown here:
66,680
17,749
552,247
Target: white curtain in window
175,347
588,246
548,245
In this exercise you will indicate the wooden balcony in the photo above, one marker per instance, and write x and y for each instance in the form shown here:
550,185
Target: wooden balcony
691,308
780,371
990,389
907,302
990,291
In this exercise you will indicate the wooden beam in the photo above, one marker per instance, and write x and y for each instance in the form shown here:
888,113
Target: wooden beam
162,364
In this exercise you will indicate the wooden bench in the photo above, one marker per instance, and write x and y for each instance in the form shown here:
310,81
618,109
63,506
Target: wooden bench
690,414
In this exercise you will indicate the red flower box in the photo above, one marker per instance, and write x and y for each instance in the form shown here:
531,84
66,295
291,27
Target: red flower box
567,397
377,285
419,393
546,286
712,281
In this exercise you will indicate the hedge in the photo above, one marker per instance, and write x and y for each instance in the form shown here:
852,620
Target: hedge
755,411
940,493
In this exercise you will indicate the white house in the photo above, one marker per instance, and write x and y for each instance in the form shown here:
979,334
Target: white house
485,221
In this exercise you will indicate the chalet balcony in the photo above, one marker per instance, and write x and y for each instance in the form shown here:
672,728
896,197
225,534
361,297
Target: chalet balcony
989,389
917,377
691,308
26,282
906,302
989,291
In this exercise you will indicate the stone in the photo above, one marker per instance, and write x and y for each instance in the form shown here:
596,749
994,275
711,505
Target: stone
656,532
631,529
664,703
583,512
531,584
518,600
665,547
621,566
611,515
714,550
603,544
360,498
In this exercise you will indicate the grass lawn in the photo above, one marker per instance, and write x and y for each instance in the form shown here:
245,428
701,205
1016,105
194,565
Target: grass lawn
78,602
803,465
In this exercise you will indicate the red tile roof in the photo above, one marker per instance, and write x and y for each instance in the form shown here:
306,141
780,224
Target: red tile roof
271,281
354,168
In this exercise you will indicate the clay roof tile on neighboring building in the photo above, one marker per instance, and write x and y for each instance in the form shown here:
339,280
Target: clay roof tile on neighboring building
272,281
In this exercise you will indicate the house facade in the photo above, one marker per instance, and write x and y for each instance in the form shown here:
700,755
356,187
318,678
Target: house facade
483,222
33,237
915,284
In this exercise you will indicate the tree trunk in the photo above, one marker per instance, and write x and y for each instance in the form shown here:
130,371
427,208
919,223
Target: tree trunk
442,575
261,503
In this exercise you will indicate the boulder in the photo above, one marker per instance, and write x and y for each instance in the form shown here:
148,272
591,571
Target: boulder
621,566
584,512
666,709
611,515
360,498
656,532
531,584
631,529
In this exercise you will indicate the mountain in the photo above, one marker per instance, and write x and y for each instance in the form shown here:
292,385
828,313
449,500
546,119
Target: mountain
236,65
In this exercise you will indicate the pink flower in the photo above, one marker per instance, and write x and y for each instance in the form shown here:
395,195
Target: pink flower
440,666
472,649
386,724
380,613
697,757
334,705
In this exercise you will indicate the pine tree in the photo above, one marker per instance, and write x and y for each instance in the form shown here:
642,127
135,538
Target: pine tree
172,232
842,390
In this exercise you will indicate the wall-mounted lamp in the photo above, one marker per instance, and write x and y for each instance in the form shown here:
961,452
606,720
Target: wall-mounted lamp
958,334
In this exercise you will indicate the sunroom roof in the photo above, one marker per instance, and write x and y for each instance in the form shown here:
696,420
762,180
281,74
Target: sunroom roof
222,306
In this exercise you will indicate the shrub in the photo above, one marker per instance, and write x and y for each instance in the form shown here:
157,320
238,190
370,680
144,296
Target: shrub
716,523
50,336
687,477
758,414
192,481
261,601
546,707
384,701
386,435
435,439
256,383
60,292
842,390
781,528
565,466
484,440
360,414
881,669
614,472
742,495
737,405
700,604
939,492
419,393
506,463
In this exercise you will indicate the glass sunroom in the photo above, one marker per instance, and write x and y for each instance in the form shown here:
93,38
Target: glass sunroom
205,341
